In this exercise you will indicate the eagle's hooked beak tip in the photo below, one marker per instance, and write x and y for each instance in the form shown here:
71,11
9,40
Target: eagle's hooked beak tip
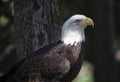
89,21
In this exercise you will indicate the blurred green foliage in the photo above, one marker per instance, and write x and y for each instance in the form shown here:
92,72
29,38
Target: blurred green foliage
86,73
7,35
3,21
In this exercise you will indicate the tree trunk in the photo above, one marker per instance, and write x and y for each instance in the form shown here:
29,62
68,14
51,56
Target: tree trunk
102,52
35,22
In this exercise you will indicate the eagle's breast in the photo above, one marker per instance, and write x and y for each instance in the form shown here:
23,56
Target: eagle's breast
71,52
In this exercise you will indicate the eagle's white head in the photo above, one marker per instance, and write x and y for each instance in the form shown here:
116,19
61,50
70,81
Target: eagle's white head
73,29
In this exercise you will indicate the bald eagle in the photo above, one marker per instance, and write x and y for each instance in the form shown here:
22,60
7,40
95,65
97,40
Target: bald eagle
58,62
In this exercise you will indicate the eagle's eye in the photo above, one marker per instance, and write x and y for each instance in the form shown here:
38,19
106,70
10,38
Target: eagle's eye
78,21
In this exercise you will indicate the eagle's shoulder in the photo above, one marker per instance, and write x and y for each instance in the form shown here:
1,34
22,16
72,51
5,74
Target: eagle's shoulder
47,48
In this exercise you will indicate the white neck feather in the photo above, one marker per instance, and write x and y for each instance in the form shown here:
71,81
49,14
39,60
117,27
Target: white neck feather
72,35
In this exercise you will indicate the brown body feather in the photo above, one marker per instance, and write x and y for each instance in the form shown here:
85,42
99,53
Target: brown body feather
54,63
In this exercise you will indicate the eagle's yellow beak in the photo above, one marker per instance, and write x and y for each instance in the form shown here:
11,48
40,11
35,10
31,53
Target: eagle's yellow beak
89,21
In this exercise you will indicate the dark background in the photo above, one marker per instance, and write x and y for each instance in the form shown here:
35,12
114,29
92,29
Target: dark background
102,43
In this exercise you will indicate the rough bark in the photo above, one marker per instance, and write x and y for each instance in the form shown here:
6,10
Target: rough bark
35,22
